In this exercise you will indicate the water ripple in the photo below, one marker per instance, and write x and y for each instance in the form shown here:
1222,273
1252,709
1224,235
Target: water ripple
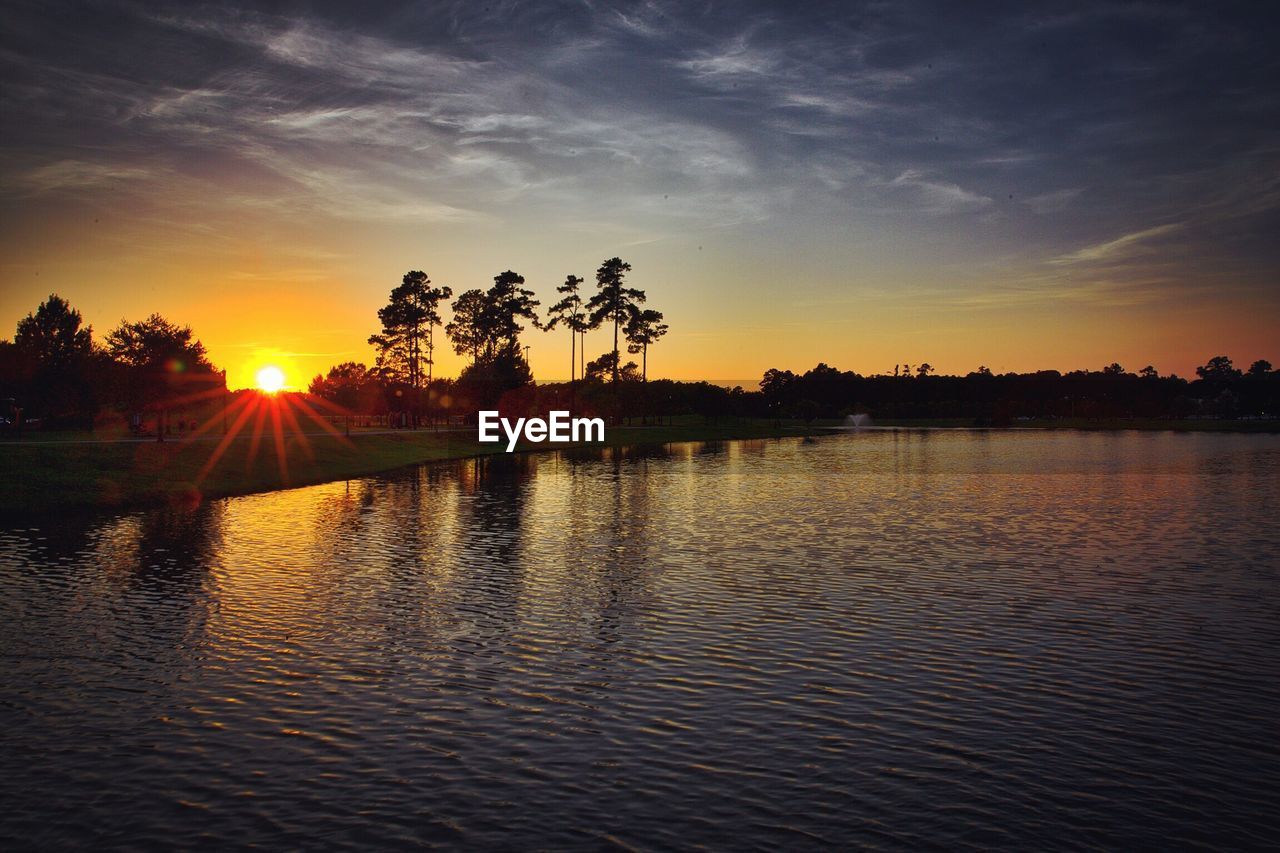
894,640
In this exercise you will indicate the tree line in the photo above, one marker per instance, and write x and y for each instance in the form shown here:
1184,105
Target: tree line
486,327
55,374
982,397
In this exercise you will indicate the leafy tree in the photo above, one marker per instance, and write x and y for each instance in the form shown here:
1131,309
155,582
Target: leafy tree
469,327
1261,367
349,385
1149,372
53,363
607,365
924,370
507,303
1219,368
1113,369
52,336
644,328
488,326
613,302
776,387
158,346
407,341
486,381
162,359
569,310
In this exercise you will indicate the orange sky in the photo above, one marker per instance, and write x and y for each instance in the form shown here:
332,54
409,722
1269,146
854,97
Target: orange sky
252,307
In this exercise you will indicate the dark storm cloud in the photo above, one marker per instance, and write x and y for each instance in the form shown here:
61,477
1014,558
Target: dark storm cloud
1094,134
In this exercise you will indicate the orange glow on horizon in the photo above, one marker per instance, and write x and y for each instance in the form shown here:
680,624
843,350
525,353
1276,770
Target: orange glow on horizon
315,324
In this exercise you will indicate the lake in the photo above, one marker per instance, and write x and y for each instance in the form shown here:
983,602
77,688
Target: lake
886,639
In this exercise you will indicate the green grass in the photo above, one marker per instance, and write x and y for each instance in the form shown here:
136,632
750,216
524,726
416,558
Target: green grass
41,476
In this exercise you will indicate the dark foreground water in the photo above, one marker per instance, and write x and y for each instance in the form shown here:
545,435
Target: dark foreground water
950,639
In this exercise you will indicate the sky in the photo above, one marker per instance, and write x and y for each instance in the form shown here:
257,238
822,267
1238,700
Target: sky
1022,185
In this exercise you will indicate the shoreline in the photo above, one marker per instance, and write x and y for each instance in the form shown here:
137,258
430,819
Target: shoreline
77,475
89,475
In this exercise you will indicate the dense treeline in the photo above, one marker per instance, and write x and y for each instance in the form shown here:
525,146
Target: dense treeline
1220,390
53,374
979,398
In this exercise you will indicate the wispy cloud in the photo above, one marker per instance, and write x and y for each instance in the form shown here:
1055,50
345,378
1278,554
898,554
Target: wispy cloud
1119,247
80,175
937,197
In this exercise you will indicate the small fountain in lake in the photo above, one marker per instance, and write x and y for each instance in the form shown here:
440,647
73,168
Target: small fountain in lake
857,421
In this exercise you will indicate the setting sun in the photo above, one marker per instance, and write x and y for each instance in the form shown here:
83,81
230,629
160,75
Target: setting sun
270,379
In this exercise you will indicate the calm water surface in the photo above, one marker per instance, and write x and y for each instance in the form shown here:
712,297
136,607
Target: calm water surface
888,639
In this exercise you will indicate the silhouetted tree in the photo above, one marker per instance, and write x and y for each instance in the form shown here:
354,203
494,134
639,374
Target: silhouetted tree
488,325
469,327
1113,369
52,336
486,381
644,328
157,344
924,370
1149,372
163,359
569,310
407,341
507,303
349,385
54,360
612,301
776,387
1218,368
607,365
1261,367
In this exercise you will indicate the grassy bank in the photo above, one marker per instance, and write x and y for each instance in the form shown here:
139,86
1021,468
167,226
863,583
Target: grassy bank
45,475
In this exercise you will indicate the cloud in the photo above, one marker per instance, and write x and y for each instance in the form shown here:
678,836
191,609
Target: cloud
637,121
79,175
1119,247
1054,201
937,197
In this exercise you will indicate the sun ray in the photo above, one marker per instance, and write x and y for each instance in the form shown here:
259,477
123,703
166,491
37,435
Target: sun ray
194,396
322,422
277,434
256,440
211,424
231,435
285,404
